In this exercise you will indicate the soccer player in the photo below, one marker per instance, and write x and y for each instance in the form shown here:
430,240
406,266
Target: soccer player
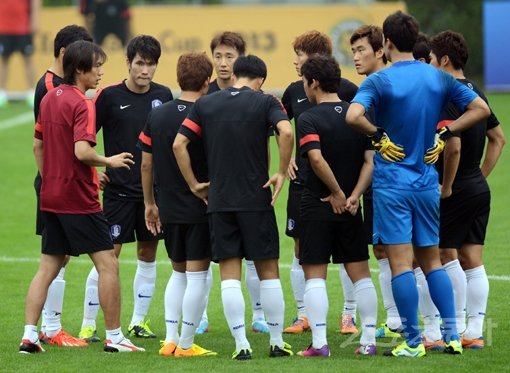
234,125
465,203
226,48
368,56
122,110
19,21
295,102
51,327
405,187
421,49
341,163
180,214
74,222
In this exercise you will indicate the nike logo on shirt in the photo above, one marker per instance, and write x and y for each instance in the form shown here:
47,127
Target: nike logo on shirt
301,99
122,107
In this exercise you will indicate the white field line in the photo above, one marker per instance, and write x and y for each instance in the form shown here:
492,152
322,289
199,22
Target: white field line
18,120
86,261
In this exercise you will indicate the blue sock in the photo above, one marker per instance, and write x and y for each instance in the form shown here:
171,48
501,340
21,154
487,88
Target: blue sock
441,292
405,294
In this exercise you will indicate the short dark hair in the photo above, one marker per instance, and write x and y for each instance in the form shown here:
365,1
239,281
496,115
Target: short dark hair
67,35
402,29
193,69
230,39
313,42
250,66
325,70
80,55
146,46
452,44
374,37
422,48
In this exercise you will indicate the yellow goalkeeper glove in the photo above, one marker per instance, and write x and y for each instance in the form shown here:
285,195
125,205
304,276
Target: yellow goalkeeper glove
387,149
442,135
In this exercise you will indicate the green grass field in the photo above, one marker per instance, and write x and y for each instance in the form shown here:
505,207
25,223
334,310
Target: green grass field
19,256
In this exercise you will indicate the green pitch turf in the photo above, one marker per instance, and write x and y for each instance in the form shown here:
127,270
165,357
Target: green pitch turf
19,253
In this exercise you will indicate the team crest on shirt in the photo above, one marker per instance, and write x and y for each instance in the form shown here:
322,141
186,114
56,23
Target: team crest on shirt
338,109
156,103
290,224
181,107
115,230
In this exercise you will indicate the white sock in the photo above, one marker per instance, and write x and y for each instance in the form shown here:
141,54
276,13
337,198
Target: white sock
253,284
193,303
50,324
174,294
53,307
317,305
143,290
91,302
233,308
271,296
30,333
477,295
208,286
459,283
392,317
348,289
115,335
297,280
428,310
366,298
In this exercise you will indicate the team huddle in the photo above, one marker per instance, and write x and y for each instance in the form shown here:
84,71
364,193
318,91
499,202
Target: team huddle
194,172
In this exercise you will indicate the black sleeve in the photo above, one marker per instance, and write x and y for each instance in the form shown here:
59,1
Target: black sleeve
286,101
347,90
308,135
101,100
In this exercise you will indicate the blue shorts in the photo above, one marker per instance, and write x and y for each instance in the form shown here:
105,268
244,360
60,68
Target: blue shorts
404,216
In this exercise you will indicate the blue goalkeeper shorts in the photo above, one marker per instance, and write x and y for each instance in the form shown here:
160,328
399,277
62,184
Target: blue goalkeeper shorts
404,216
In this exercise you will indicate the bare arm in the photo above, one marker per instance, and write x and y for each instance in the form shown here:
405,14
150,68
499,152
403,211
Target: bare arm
151,210
475,112
87,154
495,145
180,148
285,144
38,154
321,168
451,161
355,118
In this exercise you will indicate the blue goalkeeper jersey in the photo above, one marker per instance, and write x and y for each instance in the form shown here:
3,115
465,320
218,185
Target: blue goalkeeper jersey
408,98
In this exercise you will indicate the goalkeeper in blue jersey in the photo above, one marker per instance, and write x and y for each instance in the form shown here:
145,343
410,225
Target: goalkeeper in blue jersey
408,98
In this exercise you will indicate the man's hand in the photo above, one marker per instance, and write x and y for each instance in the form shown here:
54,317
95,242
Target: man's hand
121,160
201,190
152,219
103,179
385,147
291,171
445,192
442,135
352,205
276,181
337,201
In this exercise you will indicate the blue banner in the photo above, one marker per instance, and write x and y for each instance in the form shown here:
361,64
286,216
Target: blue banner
497,45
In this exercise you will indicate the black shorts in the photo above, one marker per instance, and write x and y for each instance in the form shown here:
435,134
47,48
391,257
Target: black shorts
343,241
368,216
39,217
248,234
16,43
463,220
75,234
117,27
125,218
187,241
293,203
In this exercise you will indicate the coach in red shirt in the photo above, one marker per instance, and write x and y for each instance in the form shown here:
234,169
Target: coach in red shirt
74,221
